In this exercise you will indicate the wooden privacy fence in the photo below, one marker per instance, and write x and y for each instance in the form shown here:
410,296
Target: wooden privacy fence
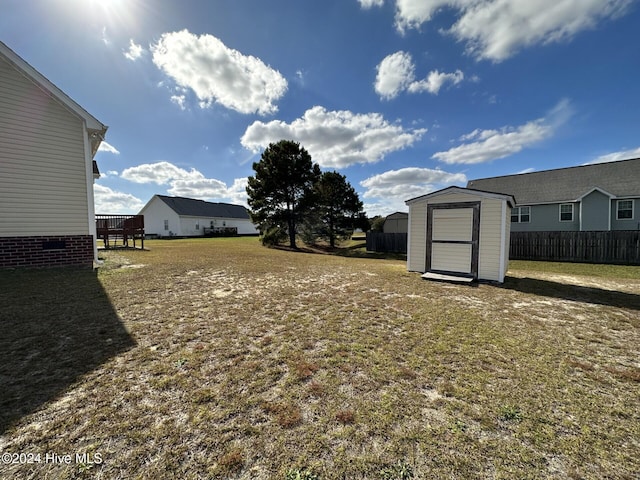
387,242
615,247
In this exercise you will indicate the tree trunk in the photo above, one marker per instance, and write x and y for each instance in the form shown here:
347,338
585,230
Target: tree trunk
292,233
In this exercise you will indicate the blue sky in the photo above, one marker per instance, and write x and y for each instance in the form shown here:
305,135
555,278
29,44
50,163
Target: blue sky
403,97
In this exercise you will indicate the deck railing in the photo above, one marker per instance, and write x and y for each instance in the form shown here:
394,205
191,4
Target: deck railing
112,229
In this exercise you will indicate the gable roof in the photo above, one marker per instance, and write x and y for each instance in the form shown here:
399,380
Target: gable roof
619,179
472,191
96,128
192,207
397,215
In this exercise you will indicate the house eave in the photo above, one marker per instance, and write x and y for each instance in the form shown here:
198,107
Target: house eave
95,128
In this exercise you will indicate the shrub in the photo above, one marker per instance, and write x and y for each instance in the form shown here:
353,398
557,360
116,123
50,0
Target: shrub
274,236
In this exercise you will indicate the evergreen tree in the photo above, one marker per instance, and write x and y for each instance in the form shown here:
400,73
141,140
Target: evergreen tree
336,208
280,192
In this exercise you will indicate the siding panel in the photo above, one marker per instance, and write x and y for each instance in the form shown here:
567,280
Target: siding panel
416,262
42,162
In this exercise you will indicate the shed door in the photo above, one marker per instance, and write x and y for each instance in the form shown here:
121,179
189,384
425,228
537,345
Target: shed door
452,238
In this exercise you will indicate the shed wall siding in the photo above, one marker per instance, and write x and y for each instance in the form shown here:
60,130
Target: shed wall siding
493,253
490,239
43,173
506,236
417,238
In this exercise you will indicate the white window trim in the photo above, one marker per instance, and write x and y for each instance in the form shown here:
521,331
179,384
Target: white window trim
560,212
633,213
520,213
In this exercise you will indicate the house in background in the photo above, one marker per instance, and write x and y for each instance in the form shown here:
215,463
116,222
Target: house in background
187,217
396,223
598,197
47,145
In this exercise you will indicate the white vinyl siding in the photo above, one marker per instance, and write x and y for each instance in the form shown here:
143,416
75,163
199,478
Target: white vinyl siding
493,252
490,239
417,238
43,173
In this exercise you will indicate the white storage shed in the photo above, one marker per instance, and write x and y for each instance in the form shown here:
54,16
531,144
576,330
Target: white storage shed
460,233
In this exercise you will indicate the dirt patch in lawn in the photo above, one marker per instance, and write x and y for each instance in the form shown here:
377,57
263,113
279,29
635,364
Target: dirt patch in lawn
247,362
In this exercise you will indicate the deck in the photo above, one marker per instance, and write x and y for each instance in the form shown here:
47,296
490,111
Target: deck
120,231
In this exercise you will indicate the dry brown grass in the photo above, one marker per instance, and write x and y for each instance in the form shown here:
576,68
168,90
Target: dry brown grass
218,358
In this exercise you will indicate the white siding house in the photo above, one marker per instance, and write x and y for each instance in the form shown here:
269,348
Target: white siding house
47,144
460,232
187,217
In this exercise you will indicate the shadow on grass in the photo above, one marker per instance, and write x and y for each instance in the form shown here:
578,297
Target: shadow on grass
352,251
598,296
56,325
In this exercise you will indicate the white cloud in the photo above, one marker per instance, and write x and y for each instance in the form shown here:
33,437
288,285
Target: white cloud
183,183
198,187
105,38
366,4
435,80
394,187
335,139
106,147
405,181
237,192
219,74
615,156
160,173
493,144
109,201
179,100
413,13
487,145
135,51
396,73
497,29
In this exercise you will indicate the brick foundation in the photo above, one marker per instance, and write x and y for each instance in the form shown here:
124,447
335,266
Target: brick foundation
49,251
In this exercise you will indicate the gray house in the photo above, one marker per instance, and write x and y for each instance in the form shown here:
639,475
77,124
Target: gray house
598,197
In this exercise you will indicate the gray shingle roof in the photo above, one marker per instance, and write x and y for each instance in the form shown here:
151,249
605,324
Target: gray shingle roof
199,208
621,179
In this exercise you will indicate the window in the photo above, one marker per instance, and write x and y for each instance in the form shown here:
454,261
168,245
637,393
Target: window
197,225
520,214
166,224
566,212
625,210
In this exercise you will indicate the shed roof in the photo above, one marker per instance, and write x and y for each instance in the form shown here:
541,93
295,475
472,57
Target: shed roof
472,191
192,207
96,128
397,215
619,179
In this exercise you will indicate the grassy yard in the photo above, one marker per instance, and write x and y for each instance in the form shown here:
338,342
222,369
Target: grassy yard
219,358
